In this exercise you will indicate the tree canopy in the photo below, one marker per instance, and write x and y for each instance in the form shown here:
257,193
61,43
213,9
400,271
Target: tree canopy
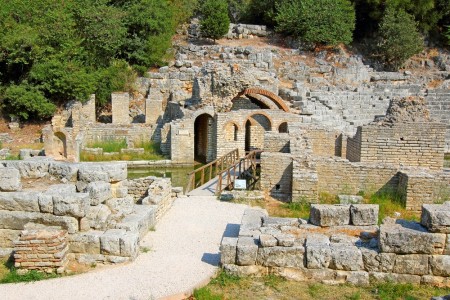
215,21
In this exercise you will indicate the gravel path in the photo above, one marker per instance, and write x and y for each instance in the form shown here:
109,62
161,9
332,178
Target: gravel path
184,253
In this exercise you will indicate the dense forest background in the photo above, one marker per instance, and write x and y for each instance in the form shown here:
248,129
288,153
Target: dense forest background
54,51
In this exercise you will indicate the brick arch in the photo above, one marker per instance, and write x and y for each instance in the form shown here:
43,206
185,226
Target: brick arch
259,91
250,119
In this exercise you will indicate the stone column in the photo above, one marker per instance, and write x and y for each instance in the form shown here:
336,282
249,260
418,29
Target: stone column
120,108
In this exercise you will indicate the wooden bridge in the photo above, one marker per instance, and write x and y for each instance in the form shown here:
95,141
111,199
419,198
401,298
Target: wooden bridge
221,173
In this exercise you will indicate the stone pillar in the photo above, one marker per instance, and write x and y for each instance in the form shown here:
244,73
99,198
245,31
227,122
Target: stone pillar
88,110
153,107
41,248
120,108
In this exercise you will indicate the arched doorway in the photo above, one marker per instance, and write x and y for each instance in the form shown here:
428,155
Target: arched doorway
231,132
60,144
283,128
203,133
255,127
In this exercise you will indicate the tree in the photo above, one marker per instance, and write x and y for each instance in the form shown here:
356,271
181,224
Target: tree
215,21
399,38
317,21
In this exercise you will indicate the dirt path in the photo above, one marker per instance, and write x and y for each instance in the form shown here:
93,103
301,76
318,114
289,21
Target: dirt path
183,253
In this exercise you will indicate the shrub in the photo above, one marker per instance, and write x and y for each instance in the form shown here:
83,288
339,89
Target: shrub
215,21
317,21
399,38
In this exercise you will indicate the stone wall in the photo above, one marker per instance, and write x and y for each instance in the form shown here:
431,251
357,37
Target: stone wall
418,187
438,104
138,187
134,134
120,108
276,142
342,244
276,174
408,144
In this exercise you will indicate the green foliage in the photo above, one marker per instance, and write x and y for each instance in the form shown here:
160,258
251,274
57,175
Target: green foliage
224,279
9,274
262,11
447,34
183,10
238,11
399,38
317,21
215,21
390,290
205,294
110,145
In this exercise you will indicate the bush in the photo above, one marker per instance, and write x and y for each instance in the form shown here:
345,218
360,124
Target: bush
215,21
399,38
317,21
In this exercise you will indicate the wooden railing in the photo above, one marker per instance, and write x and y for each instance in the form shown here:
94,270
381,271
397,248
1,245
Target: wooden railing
245,167
204,174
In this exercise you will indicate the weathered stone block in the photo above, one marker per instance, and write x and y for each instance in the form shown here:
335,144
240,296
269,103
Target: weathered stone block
240,271
99,191
19,201
10,180
75,205
247,250
393,277
436,217
251,222
350,199
318,256
33,168
110,241
86,242
413,264
358,278
377,262
7,238
45,203
63,170
267,240
329,215
120,206
278,222
98,216
129,244
440,265
364,214
16,220
285,240
228,250
346,257
90,172
281,256
60,189
317,239
410,238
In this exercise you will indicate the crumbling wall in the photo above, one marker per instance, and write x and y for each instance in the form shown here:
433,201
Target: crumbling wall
342,244
276,174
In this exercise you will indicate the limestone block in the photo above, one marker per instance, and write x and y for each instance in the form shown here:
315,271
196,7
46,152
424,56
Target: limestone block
318,256
377,262
58,189
278,222
33,168
90,172
120,206
285,240
281,256
129,244
64,170
74,205
110,241
139,221
317,239
346,257
10,180
358,278
245,270
364,214
45,203
447,246
350,199
99,192
228,250
393,277
247,250
85,242
16,220
98,216
440,265
410,238
267,240
7,237
19,201
251,222
325,215
414,264
436,218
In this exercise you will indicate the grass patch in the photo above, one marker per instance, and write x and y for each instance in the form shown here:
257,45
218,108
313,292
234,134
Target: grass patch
390,203
8,274
111,149
145,249
274,287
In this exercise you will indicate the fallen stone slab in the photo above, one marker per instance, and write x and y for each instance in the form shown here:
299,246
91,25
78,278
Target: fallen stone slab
120,206
436,217
364,214
326,215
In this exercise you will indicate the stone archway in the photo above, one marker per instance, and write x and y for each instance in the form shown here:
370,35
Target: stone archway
259,91
203,136
60,144
255,127
231,130
283,128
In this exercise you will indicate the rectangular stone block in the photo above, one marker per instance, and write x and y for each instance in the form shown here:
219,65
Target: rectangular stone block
326,215
10,180
90,172
251,222
291,257
129,244
247,251
410,238
413,264
267,240
228,250
74,205
99,191
64,170
120,108
62,189
436,217
86,242
45,203
364,214
346,257
110,241
440,265
318,256
19,201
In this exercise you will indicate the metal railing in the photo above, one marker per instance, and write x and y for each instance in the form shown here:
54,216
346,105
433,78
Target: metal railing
246,166
207,172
